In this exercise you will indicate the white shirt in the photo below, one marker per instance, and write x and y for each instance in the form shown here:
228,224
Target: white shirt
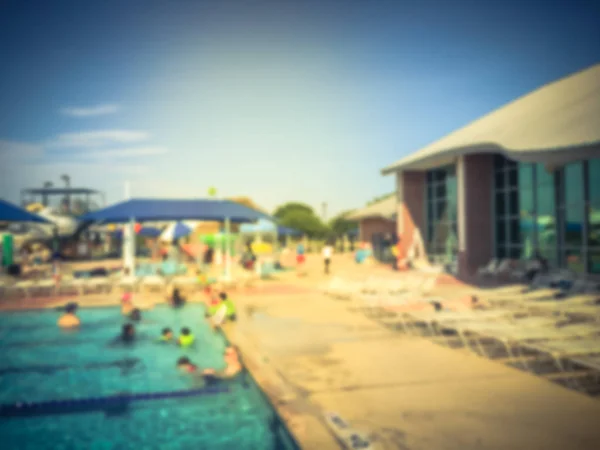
327,251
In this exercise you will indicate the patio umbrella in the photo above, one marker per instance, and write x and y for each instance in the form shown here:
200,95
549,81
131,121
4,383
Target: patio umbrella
175,231
12,213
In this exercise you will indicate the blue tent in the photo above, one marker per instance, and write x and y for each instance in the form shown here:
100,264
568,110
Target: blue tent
153,210
12,213
285,231
269,226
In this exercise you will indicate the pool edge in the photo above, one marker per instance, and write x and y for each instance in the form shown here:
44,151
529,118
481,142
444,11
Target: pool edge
303,428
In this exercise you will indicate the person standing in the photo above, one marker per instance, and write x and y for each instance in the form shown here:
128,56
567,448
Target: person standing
300,258
327,254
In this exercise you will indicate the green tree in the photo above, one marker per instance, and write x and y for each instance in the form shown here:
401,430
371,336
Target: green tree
340,226
286,208
301,217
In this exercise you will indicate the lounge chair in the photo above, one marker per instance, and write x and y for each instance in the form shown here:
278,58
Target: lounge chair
489,269
585,351
153,283
438,320
128,282
374,304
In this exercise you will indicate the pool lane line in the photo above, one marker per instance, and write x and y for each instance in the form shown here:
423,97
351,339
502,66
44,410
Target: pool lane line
113,404
125,364
111,343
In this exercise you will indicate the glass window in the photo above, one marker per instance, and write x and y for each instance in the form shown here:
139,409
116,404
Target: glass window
594,259
500,204
546,233
525,202
499,162
441,214
594,182
514,231
440,210
525,176
549,253
574,260
500,232
499,180
545,200
513,178
573,182
513,203
514,252
439,175
574,225
430,212
440,190
500,252
543,176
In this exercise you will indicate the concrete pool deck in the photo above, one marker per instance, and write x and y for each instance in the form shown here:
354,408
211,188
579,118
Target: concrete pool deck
310,354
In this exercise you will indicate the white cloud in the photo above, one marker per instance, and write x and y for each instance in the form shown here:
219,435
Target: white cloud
122,153
12,152
98,110
90,139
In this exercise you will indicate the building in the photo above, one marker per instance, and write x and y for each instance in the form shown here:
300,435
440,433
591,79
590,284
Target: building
377,225
523,178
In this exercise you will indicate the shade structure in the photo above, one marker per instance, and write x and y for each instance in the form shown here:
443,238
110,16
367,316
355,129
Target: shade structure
176,231
13,213
145,210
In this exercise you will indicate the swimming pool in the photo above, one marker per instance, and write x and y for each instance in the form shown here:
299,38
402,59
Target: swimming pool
77,390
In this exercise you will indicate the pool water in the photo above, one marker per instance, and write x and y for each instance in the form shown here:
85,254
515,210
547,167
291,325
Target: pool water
41,363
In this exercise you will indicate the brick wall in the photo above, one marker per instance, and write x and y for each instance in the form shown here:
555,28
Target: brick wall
369,227
478,214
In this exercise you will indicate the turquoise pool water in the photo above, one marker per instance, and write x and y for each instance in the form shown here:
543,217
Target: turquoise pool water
68,377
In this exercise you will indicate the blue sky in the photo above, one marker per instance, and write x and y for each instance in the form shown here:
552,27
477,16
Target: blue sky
278,101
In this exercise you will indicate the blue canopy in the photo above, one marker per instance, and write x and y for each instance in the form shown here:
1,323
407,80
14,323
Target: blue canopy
12,213
269,226
285,231
153,210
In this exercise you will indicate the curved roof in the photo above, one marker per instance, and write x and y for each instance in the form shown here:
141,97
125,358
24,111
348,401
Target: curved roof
562,115
385,209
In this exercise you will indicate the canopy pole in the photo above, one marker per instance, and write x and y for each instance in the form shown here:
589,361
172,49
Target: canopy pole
129,238
227,249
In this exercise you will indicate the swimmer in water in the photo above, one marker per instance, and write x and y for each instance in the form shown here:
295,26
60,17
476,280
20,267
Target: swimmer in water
186,339
186,366
233,365
69,319
166,335
177,301
127,304
127,335
136,315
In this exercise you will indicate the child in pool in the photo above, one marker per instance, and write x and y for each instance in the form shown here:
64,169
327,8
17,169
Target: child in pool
166,335
127,303
186,338
69,319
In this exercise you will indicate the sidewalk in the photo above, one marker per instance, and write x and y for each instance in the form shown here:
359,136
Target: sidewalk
311,354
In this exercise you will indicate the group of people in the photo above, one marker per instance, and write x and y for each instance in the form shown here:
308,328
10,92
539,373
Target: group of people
186,339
